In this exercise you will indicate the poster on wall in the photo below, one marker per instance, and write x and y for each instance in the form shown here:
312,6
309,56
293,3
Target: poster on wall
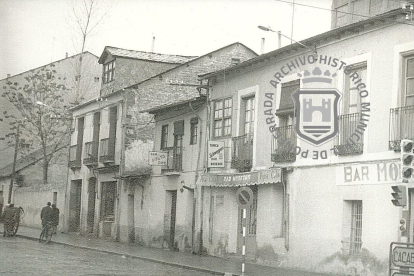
215,154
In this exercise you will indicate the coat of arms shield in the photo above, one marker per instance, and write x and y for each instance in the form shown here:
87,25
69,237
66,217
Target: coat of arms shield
316,114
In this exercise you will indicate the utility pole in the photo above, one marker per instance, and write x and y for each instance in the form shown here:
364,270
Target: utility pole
16,146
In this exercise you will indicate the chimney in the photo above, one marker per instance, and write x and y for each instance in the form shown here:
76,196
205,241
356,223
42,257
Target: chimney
262,48
153,44
66,56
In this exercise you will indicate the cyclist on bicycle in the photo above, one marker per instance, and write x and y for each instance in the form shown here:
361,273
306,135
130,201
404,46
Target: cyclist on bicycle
46,214
9,218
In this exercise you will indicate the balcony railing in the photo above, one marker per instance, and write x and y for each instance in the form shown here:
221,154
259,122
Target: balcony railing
174,160
401,126
283,144
74,160
105,154
242,154
91,156
348,123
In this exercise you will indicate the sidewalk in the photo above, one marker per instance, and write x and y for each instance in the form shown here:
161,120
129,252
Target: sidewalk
214,265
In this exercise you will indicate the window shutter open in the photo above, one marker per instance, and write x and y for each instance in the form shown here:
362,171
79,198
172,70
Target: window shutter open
286,102
179,128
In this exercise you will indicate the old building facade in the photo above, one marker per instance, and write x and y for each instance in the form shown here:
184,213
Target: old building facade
331,208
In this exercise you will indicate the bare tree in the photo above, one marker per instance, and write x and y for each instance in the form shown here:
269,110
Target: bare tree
85,17
43,120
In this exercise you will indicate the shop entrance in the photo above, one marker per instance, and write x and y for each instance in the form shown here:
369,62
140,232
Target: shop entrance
251,224
91,204
169,218
75,205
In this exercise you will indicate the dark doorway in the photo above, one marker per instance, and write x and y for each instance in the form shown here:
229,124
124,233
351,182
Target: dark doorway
91,204
131,218
75,205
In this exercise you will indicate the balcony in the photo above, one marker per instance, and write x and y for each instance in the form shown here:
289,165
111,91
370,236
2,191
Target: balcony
283,148
106,155
401,126
74,158
242,155
174,160
347,125
91,154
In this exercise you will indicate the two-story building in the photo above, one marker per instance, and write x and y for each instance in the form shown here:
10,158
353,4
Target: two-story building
29,190
112,190
96,154
316,204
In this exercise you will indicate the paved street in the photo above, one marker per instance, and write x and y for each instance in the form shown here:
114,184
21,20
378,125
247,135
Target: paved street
27,257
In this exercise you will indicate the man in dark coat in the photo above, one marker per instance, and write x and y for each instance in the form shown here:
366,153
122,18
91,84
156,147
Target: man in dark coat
46,214
55,218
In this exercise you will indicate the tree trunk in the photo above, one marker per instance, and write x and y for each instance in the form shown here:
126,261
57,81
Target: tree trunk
45,166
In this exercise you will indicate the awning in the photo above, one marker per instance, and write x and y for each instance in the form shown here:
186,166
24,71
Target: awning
286,105
241,179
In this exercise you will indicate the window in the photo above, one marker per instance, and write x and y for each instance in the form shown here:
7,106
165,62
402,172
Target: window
178,145
164,136
357,10
248,115
193,131
375,7
108,72
352,100
222,117
341,13
352,226
408,81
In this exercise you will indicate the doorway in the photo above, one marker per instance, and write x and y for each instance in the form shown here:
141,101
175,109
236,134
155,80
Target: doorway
75,205
251,225
131,220
91,204
169,218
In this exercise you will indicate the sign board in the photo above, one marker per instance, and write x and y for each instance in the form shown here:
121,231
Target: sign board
215,152
157,158
273,175
244,196
401,259
383,172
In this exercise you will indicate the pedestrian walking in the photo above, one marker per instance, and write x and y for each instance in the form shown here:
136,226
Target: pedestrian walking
55,218
46,214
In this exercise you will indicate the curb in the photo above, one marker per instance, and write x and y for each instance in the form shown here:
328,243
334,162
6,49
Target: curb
213,272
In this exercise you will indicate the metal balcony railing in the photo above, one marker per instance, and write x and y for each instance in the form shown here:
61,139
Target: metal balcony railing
105,153
283,144
74,159
91,156
174,160
401,126
242,154
348,123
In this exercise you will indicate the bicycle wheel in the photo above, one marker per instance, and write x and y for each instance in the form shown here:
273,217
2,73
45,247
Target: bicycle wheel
49,234
15,228
42,237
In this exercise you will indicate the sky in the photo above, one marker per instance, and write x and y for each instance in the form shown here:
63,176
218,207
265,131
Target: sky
34,33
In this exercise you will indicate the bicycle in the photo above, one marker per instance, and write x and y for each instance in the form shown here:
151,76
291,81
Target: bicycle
47,232
12,220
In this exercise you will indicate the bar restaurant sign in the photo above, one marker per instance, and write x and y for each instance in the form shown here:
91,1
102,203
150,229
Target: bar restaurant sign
215,151
369,173
157,158
241,179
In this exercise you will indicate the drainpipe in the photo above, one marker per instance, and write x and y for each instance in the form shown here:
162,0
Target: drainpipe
121,165
65,225
195,180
